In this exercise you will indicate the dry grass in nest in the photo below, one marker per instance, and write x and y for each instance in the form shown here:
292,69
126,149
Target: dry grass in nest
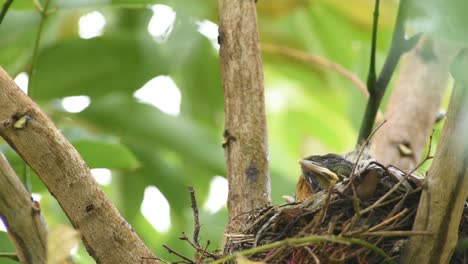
331,227
326,228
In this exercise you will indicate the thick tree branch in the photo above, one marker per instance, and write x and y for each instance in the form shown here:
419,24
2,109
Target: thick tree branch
413,105
106,235
377,87
22,216
246,147
442,201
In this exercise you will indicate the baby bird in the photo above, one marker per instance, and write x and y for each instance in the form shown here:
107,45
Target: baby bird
320,171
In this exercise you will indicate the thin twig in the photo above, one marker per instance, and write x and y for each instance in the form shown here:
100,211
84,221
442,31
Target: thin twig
397,233
11,256
43,11
396,186
323,211
315,60
398,198
196,230
4,10
314,256
198,248
351,177
171,251
389,220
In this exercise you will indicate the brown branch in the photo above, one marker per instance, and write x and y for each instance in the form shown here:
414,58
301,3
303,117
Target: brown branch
397,233
35,138
196,220
171,251
25,223
246,147
442,201
315,61
413,104
388,220
11,256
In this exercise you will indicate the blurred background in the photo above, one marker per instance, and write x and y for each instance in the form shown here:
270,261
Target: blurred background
135,86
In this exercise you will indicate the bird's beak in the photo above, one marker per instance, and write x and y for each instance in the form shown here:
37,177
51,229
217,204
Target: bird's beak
316,169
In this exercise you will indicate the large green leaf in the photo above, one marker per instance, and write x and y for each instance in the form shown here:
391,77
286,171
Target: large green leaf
96,67
98,154
101,151
16,39
122,115
194,7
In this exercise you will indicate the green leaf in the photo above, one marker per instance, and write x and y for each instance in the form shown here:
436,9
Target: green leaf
98,154
97,66
183,7
17,37
101,151
134,121
445,19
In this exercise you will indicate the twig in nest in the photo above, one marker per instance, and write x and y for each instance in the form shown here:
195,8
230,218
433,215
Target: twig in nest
314,256
397,233
196,230
352,176
302,241
171,251
199,249
389,220
323,212
428,157
265,226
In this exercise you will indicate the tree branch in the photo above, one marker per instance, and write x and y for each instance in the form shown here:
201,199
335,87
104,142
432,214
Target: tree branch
25,223
413,104
246,147
35,138
442,201
378,86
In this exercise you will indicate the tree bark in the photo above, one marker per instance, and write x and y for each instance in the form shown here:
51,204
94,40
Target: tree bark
246,147
413,105
443,199
106,235
22,216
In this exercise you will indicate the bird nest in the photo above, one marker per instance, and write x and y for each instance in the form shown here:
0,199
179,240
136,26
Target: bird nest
335,227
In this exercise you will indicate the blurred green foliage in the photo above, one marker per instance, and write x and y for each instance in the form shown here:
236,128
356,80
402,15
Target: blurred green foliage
310,109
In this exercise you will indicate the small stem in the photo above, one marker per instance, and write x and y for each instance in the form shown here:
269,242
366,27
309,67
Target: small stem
35,54
371,78
11,256
4,10
377,87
